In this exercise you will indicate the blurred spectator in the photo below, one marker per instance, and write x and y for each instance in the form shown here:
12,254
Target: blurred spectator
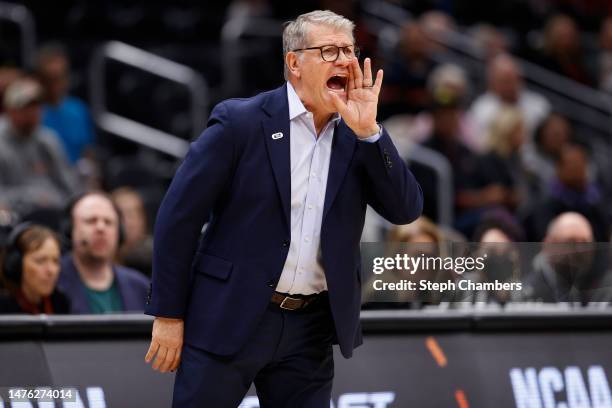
7,75
90,279
30,269
472,192
34,172
502,164
561,51
420,238
498,226
539,157
605,55
65,114
437,25
445,139
570,191
447,83
136,251
498,232
489,41
560,269
404,89
421,231
505,87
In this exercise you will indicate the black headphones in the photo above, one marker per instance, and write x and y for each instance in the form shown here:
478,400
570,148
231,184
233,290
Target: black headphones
66,224
13,259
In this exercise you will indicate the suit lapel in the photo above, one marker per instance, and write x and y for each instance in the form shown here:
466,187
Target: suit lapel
342,152
277,108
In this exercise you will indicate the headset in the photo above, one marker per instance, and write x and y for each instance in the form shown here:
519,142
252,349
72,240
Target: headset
66,224
13,259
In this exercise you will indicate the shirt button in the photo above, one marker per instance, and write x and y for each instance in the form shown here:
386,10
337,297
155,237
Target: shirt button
310,206
307,239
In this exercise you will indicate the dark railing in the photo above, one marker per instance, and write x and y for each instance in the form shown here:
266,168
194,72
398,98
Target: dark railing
373,322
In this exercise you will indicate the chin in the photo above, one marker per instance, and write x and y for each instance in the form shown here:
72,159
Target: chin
44,292
329,105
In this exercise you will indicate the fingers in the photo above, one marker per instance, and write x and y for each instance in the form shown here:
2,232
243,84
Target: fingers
379,79
152,350
168,361
367,73
161,356
351,79
338,103
357,75
177,360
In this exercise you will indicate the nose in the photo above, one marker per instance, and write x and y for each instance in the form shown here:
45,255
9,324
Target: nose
342,59
52,269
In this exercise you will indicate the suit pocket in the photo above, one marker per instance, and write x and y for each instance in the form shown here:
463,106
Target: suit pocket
213,266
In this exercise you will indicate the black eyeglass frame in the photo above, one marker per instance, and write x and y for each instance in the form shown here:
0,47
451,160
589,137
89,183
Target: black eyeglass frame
338,48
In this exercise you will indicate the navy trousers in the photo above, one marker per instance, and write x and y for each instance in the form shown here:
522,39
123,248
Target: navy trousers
289,359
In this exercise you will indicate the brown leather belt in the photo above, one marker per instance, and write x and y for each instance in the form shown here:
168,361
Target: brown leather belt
295,302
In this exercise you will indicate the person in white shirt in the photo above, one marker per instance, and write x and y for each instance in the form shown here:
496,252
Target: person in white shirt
506,88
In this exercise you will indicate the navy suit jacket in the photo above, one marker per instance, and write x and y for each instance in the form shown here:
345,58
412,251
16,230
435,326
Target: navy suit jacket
238,178
132,287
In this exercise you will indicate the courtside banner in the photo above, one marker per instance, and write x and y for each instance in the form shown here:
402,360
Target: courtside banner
429,274
425,359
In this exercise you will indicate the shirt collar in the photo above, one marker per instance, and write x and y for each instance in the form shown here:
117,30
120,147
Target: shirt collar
297,108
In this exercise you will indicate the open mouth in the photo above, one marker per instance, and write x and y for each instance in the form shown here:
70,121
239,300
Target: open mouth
337,83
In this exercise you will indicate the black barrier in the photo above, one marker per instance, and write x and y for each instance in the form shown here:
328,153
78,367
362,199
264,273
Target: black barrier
430,358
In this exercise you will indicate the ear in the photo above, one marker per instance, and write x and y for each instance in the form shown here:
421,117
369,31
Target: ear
292,60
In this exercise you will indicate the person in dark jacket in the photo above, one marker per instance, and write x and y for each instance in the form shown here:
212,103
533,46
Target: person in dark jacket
93,283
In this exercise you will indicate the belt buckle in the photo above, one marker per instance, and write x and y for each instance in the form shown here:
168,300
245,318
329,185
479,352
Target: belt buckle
282,305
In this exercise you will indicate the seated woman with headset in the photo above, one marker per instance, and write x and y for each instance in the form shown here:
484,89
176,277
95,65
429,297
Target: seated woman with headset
29,269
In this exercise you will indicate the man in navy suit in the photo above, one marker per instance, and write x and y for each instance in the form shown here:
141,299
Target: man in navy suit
283,179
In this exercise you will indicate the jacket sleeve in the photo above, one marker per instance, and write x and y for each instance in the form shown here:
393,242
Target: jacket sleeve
203,175
391,189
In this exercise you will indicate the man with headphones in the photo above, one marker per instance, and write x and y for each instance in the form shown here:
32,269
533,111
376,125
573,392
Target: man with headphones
88,276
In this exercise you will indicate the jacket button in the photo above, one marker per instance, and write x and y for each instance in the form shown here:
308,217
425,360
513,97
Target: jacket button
272,283
286,243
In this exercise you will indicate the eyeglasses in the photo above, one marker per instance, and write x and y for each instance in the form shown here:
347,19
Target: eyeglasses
330,53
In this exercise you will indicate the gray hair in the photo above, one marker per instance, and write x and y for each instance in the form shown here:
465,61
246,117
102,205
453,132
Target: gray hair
295,34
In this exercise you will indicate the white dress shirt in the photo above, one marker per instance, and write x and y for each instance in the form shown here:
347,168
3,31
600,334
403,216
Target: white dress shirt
310,156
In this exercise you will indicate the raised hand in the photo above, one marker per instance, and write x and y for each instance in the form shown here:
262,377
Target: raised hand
359,110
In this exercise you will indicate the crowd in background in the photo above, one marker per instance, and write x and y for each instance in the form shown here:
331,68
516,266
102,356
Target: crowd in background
522,171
